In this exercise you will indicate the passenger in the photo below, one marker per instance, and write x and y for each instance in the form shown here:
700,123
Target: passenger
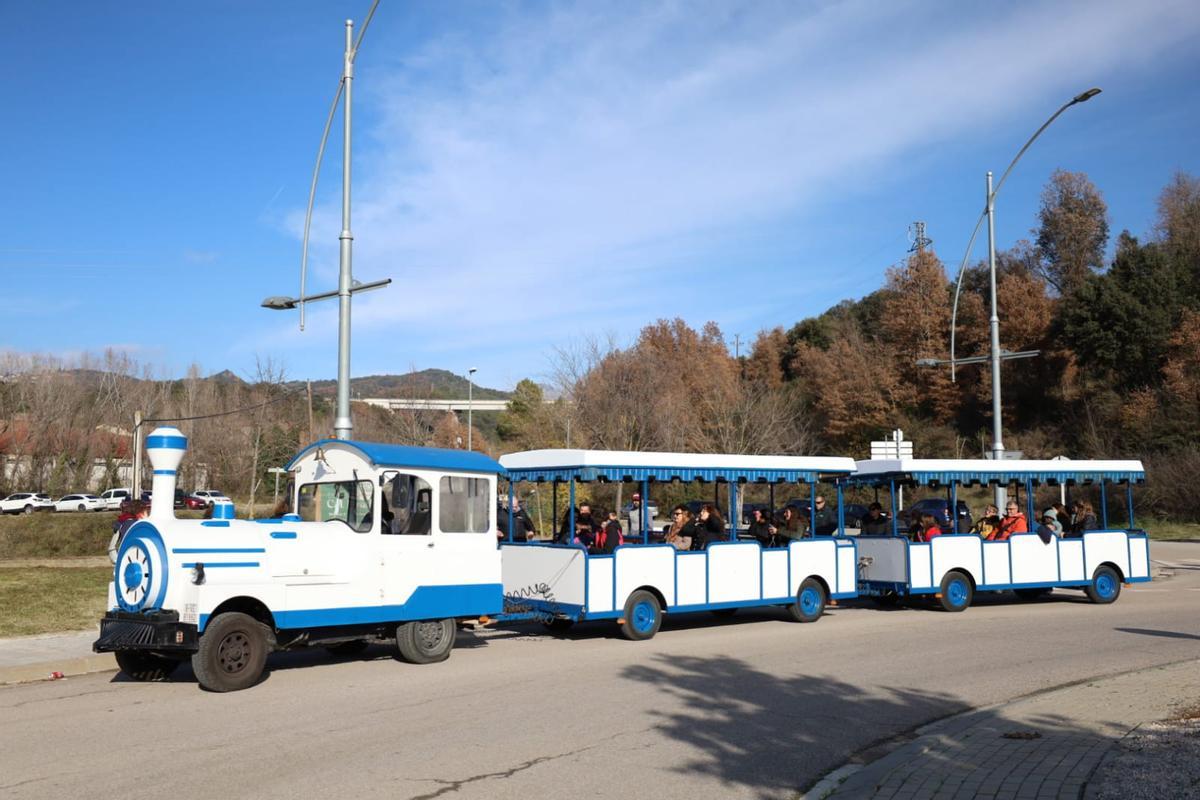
634,520
710,528
1085,518
988,523
137,510
791,526
682,529
875,523
608,537
583,514
762,529
1048,528
1064,518
1013,522
825,521
522,524
929,528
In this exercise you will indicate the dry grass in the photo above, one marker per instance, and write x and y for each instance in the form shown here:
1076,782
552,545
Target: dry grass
1171,531
48,600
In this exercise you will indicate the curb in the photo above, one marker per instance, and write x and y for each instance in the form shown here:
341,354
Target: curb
855,773
43,670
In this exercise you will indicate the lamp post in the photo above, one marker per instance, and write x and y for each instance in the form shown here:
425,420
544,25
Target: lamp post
347,286
470,402
996,355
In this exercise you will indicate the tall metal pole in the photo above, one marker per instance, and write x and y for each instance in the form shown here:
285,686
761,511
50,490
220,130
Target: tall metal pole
997,432
470,403
343,428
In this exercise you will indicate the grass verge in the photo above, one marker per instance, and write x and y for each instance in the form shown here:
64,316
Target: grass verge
50,599
1166,530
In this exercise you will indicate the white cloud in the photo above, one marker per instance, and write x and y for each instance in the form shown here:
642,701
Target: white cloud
583,162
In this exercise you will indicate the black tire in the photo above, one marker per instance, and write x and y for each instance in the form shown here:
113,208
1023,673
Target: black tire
642,616
956,592
232,653
427,641
558,624
724,612
141,665
345,649
28,509
1105,587
809,604
81,507
1033,594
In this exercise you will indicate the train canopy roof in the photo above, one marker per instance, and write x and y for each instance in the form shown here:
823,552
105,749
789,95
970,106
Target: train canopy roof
610,465
396,455
939,471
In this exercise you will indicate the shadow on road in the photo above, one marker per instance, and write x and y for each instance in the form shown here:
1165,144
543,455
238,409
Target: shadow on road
1164,634
775,735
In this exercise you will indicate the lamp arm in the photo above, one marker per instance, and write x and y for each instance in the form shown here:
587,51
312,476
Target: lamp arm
958,289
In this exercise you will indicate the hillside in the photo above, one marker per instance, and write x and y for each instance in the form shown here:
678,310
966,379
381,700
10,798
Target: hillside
438,384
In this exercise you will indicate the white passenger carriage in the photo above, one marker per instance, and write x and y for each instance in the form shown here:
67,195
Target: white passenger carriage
388,542
641,580
955,565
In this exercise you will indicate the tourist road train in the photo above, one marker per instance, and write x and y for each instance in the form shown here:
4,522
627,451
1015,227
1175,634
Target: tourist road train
399,544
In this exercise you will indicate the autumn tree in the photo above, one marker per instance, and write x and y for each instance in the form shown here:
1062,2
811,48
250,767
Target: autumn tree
1072,231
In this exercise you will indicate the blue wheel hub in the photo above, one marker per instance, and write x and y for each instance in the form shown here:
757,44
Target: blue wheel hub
810,601
133,574
957,592
1106,586
643,616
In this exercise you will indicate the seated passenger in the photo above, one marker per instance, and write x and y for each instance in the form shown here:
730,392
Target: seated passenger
929,528
825,522
682,529
608,537
875,523
762,529
1013,522
710,527
791,526
583,514
1084,518
1048,528
988,523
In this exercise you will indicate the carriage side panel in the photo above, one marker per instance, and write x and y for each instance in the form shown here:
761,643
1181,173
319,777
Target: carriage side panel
996,564
775,573
920,559
887,557
812,557
734,571
691,586
1106,546
1139,558
847,565
1033,561
532,571
600,583
962,552
645,565
1070,560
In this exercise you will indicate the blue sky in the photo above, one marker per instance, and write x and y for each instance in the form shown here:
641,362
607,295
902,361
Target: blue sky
530,174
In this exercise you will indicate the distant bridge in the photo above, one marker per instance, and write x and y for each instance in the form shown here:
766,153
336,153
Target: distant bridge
425,404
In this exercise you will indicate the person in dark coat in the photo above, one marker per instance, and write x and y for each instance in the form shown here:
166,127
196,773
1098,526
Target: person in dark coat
762,529
875,523
825,522
582,516
710,528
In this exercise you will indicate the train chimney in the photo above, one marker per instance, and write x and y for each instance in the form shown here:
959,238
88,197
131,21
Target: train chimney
165,446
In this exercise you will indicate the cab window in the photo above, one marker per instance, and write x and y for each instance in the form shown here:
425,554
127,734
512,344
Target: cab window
344,501
407,506
463,505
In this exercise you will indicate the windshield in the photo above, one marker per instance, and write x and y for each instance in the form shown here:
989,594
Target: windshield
350,502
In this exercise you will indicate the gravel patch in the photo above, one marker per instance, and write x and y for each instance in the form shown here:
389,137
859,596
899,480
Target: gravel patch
1156,761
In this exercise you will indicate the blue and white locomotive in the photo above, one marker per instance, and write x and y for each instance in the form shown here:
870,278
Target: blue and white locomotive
388,543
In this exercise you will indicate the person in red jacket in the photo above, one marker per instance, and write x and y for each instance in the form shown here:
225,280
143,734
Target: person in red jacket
929,528
1013,522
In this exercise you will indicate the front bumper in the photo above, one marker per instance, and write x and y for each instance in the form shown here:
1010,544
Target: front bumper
158,630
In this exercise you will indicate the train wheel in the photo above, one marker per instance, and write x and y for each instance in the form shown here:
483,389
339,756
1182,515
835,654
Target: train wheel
140,665
426,642
1105,586
956,592
810,602
643,616
232,653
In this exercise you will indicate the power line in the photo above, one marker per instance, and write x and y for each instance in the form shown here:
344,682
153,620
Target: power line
279,399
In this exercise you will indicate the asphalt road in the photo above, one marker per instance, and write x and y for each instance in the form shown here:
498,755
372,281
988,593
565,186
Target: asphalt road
754,706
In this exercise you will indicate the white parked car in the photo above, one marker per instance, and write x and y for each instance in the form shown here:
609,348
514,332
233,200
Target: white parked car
210,496
113,498
25,503
79,502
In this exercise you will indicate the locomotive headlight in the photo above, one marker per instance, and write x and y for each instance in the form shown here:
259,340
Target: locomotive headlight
198,574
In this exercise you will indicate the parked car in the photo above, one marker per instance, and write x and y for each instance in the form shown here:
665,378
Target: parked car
939,508
26,503
113,498
208,497
79,502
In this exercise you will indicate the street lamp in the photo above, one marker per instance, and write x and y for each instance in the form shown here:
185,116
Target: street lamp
347,286
470,402
988,213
